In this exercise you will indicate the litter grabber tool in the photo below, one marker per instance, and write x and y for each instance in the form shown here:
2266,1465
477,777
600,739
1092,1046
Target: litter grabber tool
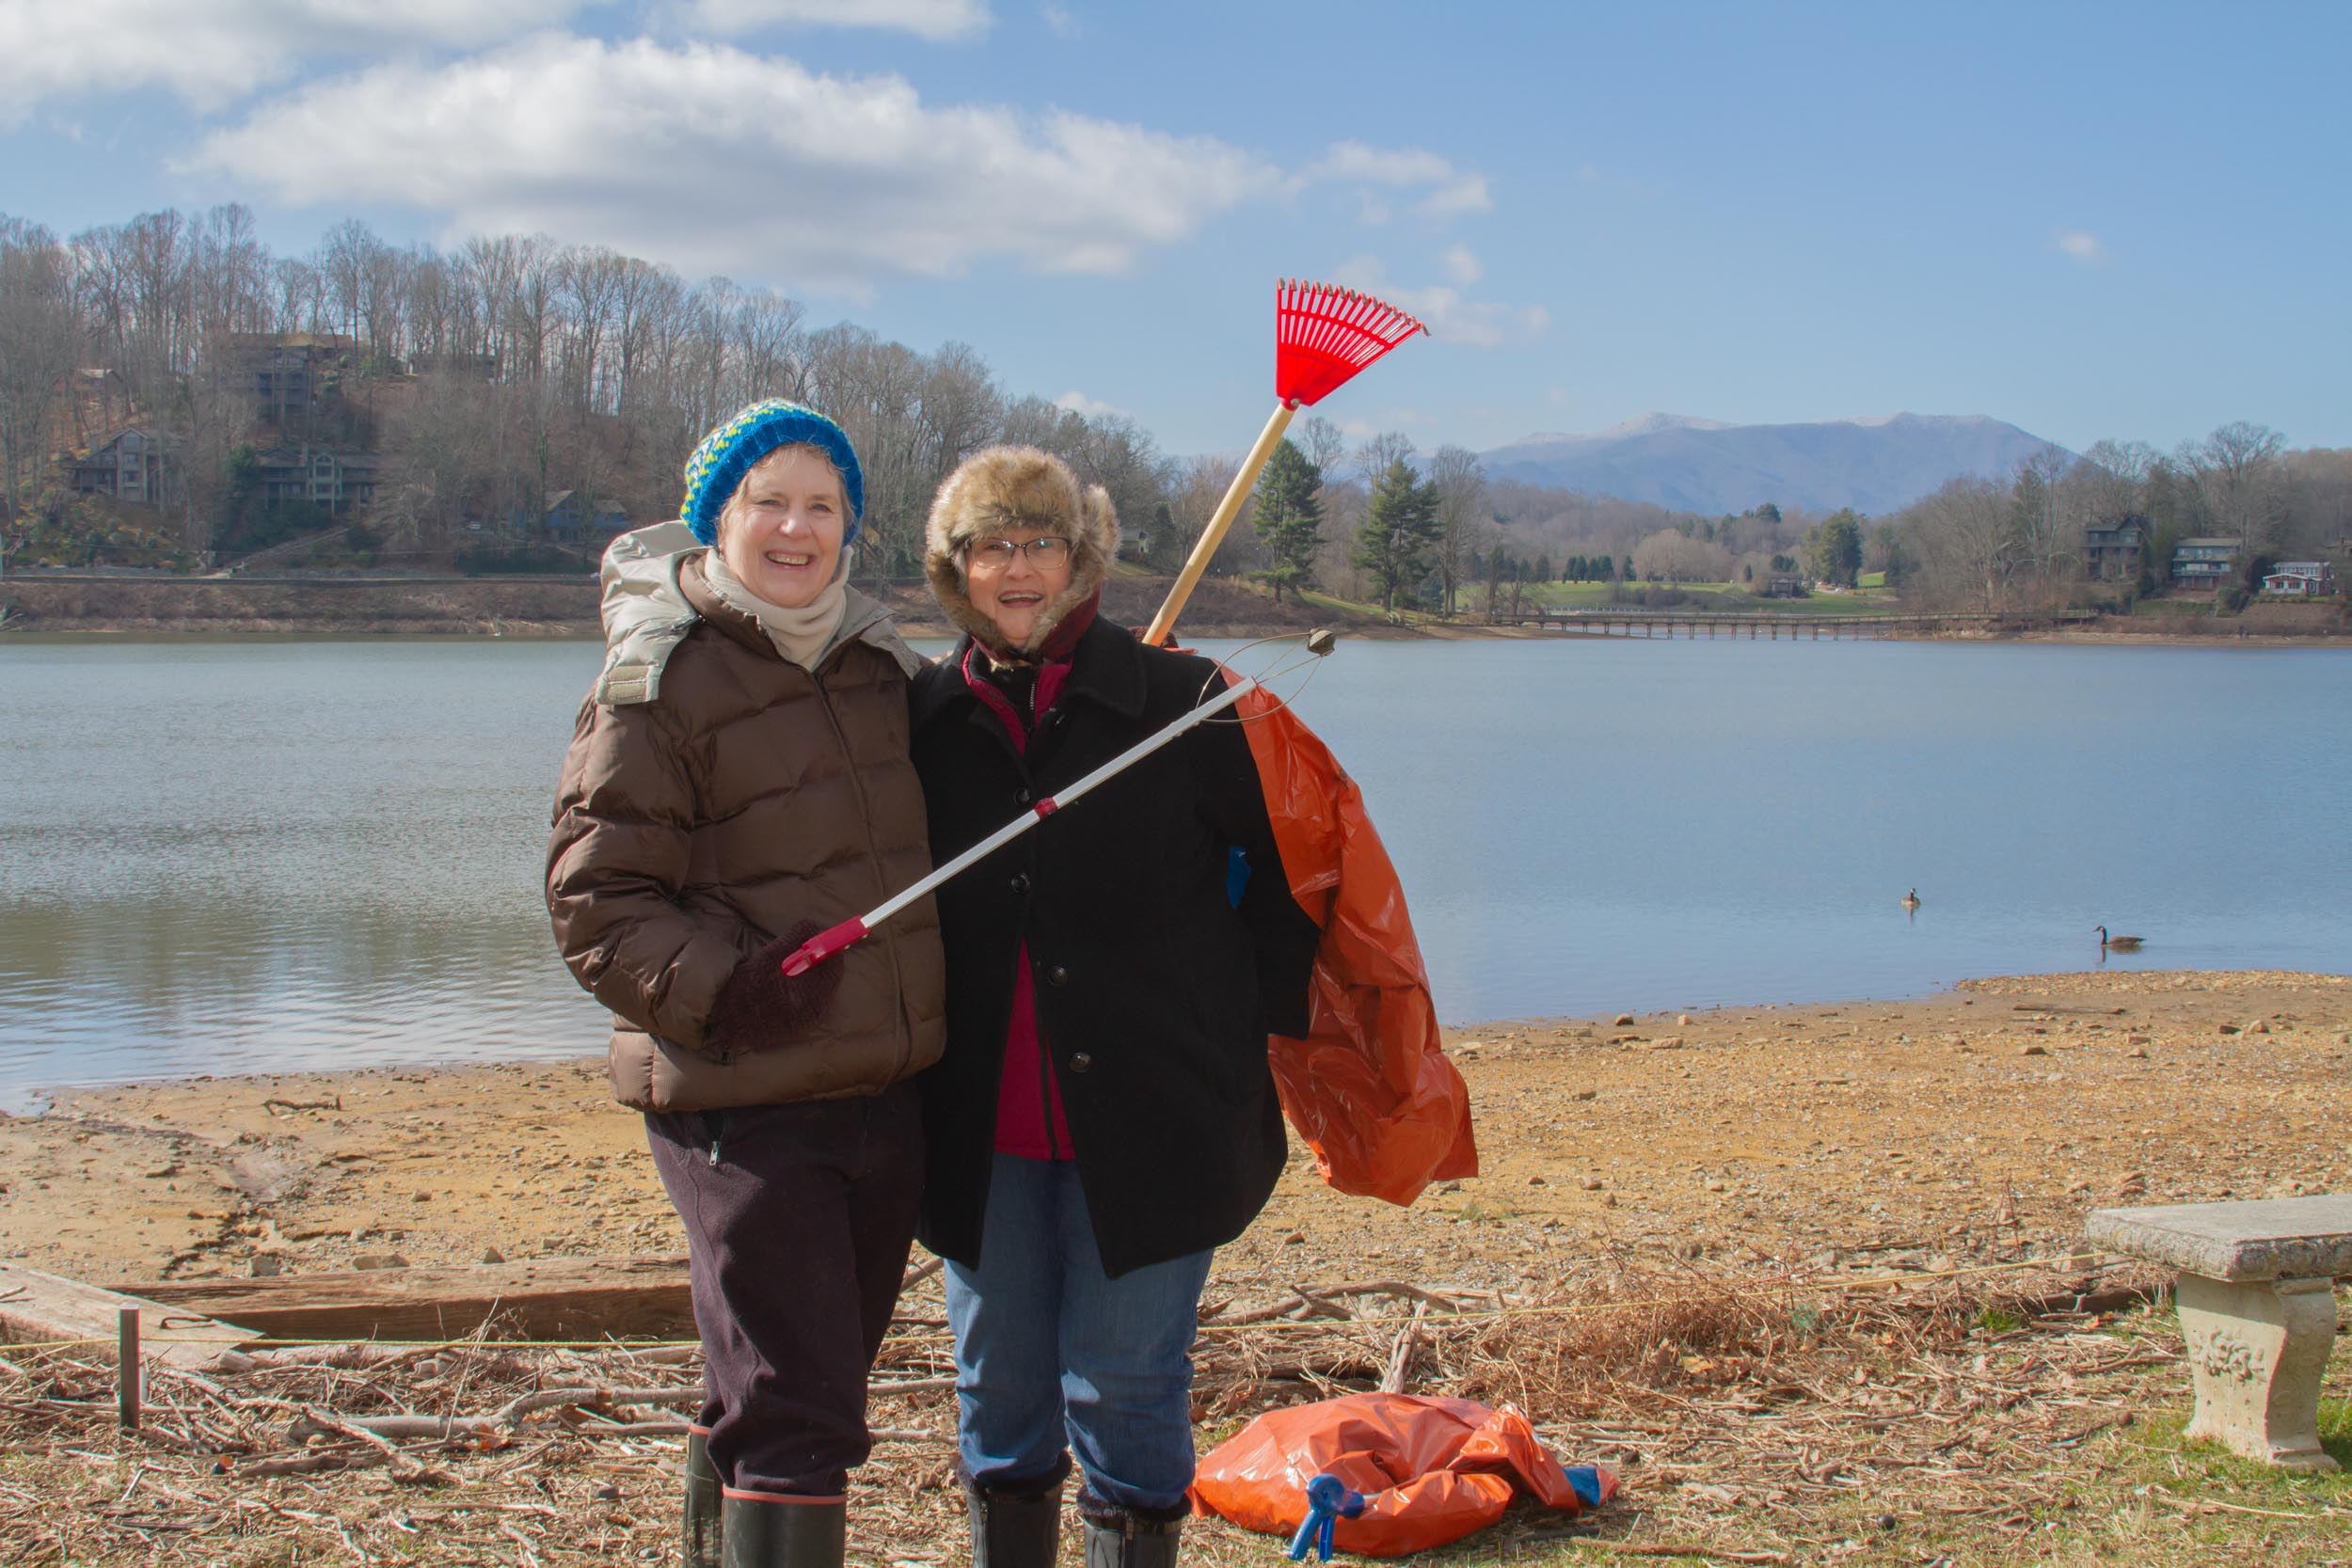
1322,335
826,944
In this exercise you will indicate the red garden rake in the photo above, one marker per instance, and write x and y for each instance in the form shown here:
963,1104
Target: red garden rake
1322,335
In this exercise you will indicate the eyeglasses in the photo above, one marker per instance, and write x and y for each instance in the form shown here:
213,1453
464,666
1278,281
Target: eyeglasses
1046,550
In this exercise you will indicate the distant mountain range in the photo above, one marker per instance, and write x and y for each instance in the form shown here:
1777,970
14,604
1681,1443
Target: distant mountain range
1872,464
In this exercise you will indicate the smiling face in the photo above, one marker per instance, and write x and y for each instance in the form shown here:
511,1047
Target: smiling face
780,533
1014,593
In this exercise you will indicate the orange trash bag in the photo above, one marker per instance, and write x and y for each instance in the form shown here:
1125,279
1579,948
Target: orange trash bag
1428,1472
1369,1089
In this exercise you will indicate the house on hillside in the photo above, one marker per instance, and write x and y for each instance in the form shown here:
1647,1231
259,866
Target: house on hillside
338,480
2302,579
571,516
458,366
1783,585
287,372
2111,550
2205,563
136,465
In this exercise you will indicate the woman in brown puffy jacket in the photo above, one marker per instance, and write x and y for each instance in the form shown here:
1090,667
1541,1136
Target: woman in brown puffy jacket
740,780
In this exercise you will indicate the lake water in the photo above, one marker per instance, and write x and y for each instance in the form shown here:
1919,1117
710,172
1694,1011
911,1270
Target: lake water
253,856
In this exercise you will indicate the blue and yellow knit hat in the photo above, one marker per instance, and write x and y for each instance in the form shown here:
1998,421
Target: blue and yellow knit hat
728,454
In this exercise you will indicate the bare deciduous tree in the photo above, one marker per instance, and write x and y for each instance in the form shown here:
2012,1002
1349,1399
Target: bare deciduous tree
2238,469
1376,456
40,340
1460,483
1672,556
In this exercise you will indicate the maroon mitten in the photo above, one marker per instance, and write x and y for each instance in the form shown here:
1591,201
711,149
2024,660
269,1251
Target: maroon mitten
762,1008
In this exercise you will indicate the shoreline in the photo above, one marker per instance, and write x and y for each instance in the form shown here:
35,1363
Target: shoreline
1662,1131
99,609
567,631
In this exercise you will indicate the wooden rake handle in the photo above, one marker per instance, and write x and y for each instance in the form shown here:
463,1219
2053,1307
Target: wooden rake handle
1222,520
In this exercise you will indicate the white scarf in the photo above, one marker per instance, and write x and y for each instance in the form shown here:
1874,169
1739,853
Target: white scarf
799,635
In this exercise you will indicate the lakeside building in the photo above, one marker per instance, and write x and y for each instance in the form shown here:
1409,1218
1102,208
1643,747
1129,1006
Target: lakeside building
2204,563
2111,552
134,465
570,515
2302,579
338,480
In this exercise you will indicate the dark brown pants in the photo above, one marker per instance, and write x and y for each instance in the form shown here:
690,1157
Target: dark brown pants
797,1222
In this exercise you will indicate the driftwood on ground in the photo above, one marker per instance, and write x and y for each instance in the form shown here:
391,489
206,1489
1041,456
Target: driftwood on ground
37,1307
547,1298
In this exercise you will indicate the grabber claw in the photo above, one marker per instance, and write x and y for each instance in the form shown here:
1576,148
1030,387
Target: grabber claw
823,945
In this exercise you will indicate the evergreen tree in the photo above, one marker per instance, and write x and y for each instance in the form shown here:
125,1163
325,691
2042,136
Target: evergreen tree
1289,516
1834,550
1398,528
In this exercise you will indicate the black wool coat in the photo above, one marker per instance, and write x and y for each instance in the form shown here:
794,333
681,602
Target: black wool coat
1154,993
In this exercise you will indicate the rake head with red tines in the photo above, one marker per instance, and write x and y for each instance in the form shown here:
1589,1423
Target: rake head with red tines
1323,334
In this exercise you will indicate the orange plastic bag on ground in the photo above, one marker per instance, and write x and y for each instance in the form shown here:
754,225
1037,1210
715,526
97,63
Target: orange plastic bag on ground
1370,1088
1430,1470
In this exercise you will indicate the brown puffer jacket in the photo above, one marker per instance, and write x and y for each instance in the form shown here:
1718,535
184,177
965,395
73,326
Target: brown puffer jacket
744,798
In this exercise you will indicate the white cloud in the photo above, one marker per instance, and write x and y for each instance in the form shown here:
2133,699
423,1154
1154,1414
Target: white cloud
1450,316
1092,409
2077,246
211,52
1461,266
1451,190
711,158
1058,19
940,21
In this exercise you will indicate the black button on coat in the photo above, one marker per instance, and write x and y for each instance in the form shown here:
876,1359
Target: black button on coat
1155,994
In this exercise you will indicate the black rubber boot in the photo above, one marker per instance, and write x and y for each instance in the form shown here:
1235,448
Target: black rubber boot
761,1534
1130,1541
1018,1526
701,1541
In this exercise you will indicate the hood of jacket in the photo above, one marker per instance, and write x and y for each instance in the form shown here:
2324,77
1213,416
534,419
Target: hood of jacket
998,491
647,614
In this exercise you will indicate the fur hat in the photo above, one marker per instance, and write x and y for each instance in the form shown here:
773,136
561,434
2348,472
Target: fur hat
1001,489
728,454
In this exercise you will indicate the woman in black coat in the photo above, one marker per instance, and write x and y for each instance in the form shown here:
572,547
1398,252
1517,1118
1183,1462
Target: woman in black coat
1104,1115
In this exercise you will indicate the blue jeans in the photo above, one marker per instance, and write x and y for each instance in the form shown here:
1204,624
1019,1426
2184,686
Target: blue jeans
1049,1351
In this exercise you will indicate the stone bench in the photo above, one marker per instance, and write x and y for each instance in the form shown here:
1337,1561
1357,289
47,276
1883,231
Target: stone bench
2258,1310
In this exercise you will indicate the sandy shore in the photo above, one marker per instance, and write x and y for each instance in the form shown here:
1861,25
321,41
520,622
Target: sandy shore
1955,1126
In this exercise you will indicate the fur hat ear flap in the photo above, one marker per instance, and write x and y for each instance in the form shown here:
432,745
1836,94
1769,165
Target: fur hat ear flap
1101,523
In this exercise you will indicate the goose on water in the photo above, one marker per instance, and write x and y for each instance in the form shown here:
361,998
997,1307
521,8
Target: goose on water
2117,944
1911,899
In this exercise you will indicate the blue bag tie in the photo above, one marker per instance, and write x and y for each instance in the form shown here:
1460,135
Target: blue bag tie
1327,1503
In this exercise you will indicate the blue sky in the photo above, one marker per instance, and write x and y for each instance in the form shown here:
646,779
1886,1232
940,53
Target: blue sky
2088,220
